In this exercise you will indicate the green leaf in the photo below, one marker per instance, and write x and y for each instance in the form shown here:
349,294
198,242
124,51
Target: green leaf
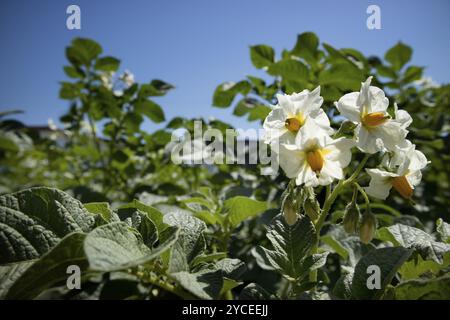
418,268
229,284
225,93
51,268
343,287
140,221
69,91
244,106
290,69
254,291
33,221
424,289
204,284
259,112
107,64
190,243
204,258
385,71
389,260
262,55
410,237
443,229
9,273
349,247
151,110
315,261
342,74
155,88
242,208
116,246
154,214
83,51
198,202
291,247
231,268
398,55
73,72
335,245
147,229
259,85
132,122
208,217
103,210
412,73
307,47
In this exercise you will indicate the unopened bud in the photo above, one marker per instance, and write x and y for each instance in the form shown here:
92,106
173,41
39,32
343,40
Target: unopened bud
368,227
351,218
290,211
312,208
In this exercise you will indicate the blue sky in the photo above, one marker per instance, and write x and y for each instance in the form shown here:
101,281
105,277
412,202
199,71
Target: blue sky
197,44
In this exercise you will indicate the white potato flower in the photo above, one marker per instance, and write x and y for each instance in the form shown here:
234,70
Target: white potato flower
315,158
402,172
291,113
128,78
375,130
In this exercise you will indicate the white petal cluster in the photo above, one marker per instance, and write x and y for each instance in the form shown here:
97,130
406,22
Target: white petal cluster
291,113
301,130
401,170
375,130
315,158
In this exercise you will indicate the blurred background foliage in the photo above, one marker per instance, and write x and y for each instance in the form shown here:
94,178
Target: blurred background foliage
101,153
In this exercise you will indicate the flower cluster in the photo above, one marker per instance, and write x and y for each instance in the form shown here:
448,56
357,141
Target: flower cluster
299,131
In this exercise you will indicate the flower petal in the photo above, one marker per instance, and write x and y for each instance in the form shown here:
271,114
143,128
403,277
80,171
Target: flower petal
403,117
321,119
332,169
340,151
308,101
348,107
391,133
364,98
379,185
414,177
366,142
377,100
291,161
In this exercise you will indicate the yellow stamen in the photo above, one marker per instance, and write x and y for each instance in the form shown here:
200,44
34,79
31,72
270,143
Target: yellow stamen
374,119
402,186
294,124
315,160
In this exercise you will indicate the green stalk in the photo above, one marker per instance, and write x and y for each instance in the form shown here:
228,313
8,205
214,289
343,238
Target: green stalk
171,288
329,202
363,193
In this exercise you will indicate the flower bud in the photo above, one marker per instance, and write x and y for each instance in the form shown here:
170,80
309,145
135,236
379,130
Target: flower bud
312,208
290,210
351,218
368,227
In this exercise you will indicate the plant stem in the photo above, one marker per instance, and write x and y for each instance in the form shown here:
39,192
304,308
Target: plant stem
170,288
358,169
285,290
364,194
331,197
327,205
327,191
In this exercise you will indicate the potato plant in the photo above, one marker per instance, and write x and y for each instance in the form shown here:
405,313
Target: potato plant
98,209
